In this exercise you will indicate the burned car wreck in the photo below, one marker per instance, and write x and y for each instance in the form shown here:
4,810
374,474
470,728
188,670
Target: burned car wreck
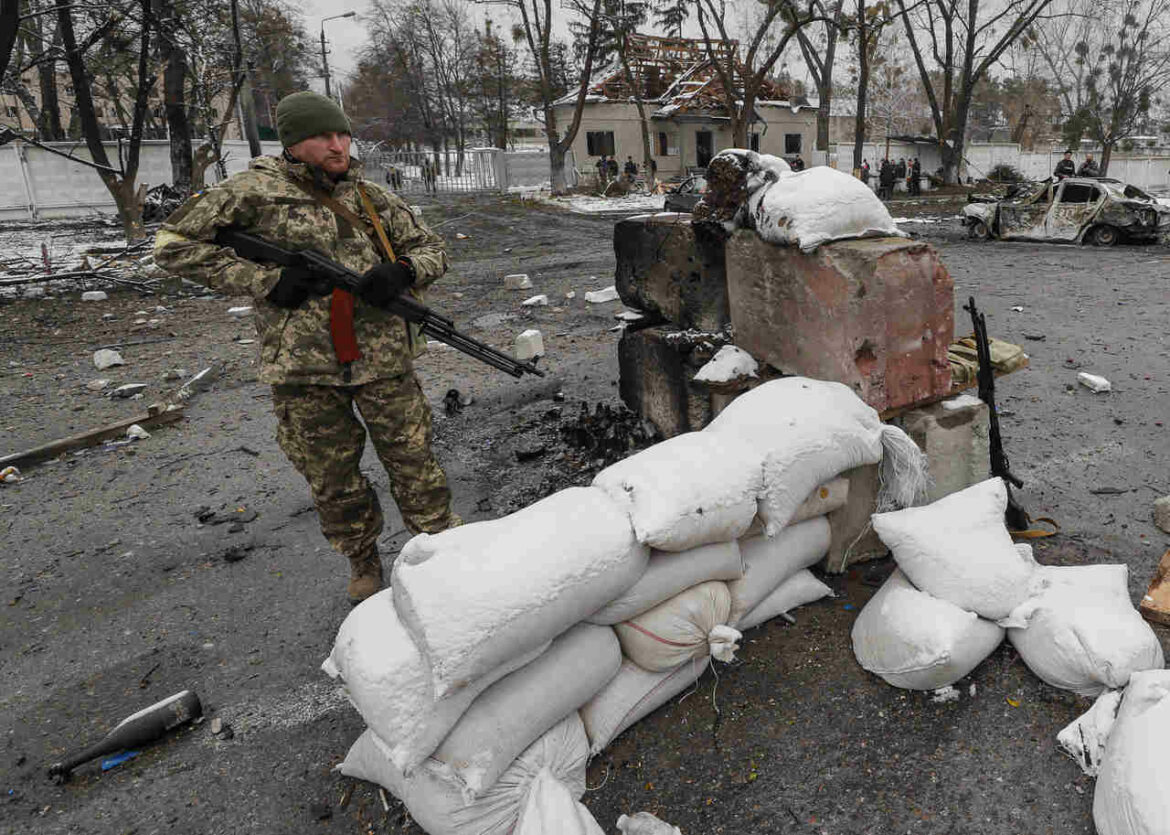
1095,210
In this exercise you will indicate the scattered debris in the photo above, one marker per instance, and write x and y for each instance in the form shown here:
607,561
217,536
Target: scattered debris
572,294
630,316
9,475
536,301
1162,514
517,281
157,415
609,294
529,344
1094,382
1108,491
461,237
94,296
1035,337
945,694
118,759
137,433
211,517
531,452
235,553
1155,605
107,358
128,390
240,312
454,401
1017,310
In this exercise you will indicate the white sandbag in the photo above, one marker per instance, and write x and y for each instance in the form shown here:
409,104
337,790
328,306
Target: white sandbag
518,708
438,805
388,682
477,596
690,490
685,626
631,695
669,573
808,432
768,562
1081,632
1131,797
830,496
551,809
959,549
644,823
918,642
1086,737
799,589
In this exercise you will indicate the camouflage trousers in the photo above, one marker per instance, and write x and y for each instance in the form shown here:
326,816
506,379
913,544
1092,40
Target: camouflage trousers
324,440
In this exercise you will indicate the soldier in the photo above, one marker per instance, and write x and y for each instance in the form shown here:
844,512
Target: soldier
324,355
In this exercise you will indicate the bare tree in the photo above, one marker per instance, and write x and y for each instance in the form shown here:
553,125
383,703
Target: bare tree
819,50
1109,59
955,43
9,20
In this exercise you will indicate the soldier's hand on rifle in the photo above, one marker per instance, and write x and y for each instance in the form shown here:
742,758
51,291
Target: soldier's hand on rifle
384,283
296,284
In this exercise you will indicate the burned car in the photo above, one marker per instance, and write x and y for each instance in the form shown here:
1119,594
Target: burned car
684,196
1096,210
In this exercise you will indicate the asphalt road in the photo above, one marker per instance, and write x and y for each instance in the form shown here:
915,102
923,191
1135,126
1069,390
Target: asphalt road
115,595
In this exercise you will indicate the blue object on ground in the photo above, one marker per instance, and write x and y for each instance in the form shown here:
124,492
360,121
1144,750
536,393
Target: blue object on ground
118,759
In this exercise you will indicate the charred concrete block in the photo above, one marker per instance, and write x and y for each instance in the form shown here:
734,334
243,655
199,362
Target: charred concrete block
876,314
658,366
954,436
852,537
671,270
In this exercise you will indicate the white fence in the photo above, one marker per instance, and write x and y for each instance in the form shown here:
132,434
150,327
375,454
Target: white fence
36,184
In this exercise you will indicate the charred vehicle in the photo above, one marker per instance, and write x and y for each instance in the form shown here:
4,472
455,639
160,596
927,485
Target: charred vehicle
1095,210
684,196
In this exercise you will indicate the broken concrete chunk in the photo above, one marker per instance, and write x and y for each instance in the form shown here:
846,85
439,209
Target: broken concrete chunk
34,292
529,344
1162,514
517,281
137,433
240,312
536,301
572,294
128,390
94,296
107,358
609,294
1094,383
97,385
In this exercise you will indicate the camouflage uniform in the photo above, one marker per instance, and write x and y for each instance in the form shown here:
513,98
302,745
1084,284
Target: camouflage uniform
313,398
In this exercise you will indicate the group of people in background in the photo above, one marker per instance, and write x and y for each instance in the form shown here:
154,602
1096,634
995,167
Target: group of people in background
607,170
890,172
428,170
1067,168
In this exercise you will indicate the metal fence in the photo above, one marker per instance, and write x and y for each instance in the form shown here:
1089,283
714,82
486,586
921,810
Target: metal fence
423,172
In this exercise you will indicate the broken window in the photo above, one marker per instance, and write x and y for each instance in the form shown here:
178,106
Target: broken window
1078,193
792,143
754,141
704,147
599,142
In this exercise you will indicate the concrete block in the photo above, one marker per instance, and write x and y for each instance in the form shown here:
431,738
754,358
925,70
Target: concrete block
657,367
954,436
517,281
876,314
1162,514
672,271
529,344
852,537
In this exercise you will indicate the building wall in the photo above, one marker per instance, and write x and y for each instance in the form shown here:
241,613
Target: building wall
622,120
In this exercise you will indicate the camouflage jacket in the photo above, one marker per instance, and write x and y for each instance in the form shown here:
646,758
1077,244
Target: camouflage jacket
295,345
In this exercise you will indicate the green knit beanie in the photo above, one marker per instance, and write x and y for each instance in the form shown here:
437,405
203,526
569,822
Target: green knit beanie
305,114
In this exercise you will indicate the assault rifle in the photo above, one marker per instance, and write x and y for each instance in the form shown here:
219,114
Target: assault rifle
332,274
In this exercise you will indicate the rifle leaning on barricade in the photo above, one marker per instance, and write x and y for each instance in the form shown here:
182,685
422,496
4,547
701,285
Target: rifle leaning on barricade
335,275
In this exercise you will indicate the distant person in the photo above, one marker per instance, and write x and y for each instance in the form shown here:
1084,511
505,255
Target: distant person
602,171
798,164
430,175
865,171
886,179
1065,168
630,169
917,177
1089,167
611,168
900,169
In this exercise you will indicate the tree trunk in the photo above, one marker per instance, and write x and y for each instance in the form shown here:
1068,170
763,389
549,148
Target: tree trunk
248,108
636,86
174,98
823,113
556,161
862,94
1106,156
9,17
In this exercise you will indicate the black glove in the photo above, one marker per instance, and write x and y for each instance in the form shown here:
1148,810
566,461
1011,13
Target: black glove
384,283
296,284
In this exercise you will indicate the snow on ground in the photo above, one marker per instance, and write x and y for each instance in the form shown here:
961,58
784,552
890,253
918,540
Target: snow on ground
588,205
917,220
64,241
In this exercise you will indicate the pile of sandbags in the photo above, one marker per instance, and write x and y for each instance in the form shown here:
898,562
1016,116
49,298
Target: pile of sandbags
507,651
961,582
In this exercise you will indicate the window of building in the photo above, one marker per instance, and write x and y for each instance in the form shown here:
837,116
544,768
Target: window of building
754,141
704,147
10,110
599,142
663,144
792,143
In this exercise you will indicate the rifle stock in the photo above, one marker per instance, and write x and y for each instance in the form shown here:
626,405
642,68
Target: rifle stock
439,327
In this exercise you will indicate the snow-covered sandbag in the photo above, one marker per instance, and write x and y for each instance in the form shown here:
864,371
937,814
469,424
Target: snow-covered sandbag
830,496
959,549
919,642
685,626
799,589
1131,797
1086,737
768,562
1081,632
480,595
438,805
633,694
808,432
669,573
644,823
690,490
518,708
807,208
388,682
551,809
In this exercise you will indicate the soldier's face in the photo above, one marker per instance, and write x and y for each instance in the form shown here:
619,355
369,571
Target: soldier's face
329,151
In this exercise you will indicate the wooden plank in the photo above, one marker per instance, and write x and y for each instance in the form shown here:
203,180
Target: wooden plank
92,437
1155,605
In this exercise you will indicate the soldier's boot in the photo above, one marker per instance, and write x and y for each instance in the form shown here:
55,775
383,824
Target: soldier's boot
365,575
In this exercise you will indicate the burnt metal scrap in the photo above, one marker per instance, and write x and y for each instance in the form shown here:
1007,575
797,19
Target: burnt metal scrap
607,433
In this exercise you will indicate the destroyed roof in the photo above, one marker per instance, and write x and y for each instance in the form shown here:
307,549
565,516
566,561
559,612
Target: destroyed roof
679,75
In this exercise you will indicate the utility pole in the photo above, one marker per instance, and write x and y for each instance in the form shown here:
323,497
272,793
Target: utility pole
325,52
